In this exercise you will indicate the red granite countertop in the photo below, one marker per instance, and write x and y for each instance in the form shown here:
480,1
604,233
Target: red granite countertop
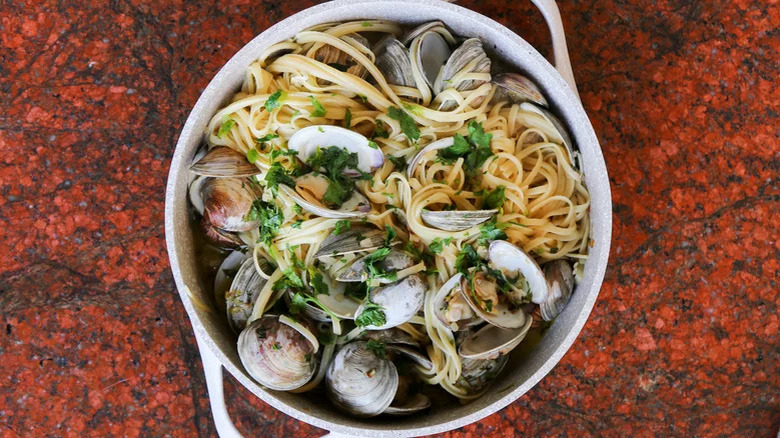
683,339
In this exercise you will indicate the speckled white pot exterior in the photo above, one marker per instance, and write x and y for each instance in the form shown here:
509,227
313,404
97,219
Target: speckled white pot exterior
521,373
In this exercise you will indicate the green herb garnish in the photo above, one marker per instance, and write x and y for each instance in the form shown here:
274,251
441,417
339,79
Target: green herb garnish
437,245
319,110
380,130
372,314
475,148
398,162
341,226
274,101
347,118
226,126
252,155
494,199
376,347
490,231
408,126
278,175
270,218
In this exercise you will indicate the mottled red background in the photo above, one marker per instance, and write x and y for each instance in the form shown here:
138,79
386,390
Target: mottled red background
683,340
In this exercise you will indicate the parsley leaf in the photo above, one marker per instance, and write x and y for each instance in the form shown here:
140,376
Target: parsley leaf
467,258
319,110
278,175
265,138
494,199
409,128
459,148
380,130
226,126
373,145
372,314
376,347
334,160
489,232
437,245
389,235
297,224
398,162
475,149
252,155
317,282
341,226
348,118
274,101
270,218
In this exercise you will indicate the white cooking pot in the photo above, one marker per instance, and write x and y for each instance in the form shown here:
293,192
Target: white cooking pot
217,342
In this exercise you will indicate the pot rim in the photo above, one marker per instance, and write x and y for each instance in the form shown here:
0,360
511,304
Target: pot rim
578,122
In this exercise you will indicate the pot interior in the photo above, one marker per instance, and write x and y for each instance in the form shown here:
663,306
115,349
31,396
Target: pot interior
524,368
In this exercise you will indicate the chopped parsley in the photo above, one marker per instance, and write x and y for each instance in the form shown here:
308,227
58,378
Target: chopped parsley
252,155
347,118
380,130
475,148
270,218
494,199
490,231
276,346
317,282
467,258
437,245
319,110
408,126
376,347
366,24
266,138
341,226
372,314
398,162
274,101
389,235
278,175
297,224
334,160
226,126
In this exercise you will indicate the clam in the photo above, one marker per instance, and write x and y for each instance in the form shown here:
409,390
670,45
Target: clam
336,58
359,382
431,26
410,405
277,355
476,374
560,279
357,238
394,62
195,195
227,271
338,303
436,145
560,135
307,140
512,261
456,220
468,59
311,188
220,237
518,89
221,162
486,302
430,52
490,341
410,353
399,301
226,202
392,335
451,308
244,290
395,261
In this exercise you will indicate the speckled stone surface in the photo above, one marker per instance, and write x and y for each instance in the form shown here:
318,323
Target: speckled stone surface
683,339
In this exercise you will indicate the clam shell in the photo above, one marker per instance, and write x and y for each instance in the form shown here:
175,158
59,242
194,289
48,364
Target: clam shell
223,162
219,237
456,220
509,258
194,192
394,62
227,201
410,353
518,89
338,303
490,341
276,355
430,52
360,383
244,290
395,261
435,26
400,301
417,403
469,51
477,374
331,55
357,238
501,315
560,279
307,140
562,135
452,286
388,336
436,145
356,206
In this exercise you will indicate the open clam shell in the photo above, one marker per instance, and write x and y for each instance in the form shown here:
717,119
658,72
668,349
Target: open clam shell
490,341
277,355
331,55
388,336
560,279
195,194
562,136
243,292
220,237
357,238
512,260
499,313
477,374
394,62
338,303
226,202
223,162
416,403
227,271
431,26
436,145
400,301
469,58
410,353
451,308
307,140
359,382
429,52
356,206
518,89
395,261
456,220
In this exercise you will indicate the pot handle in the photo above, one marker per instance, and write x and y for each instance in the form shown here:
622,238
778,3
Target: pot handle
212,368
561,61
